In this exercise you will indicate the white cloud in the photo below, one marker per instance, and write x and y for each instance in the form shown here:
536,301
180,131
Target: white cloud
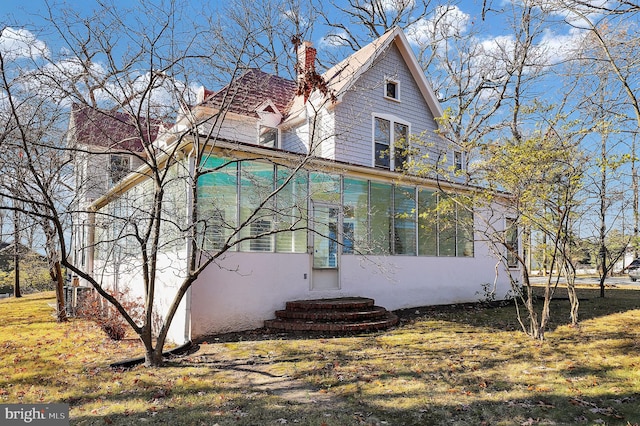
295,16
18,43
59,81
572,11
397,5
559,47
335,39
447,21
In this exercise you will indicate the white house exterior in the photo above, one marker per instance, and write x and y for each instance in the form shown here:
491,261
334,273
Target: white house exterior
353,221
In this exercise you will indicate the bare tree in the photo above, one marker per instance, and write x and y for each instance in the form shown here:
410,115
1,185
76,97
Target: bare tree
610,53
375,17
151,222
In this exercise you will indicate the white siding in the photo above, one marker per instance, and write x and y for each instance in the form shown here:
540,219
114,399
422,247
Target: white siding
296,139
353,123
236,129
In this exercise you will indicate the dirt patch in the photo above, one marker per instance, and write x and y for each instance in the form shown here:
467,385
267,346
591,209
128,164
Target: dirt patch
259,374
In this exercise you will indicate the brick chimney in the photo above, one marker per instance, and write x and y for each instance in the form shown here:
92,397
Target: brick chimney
306,59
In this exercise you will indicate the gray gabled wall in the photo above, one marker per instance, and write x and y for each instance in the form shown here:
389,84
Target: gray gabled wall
353,116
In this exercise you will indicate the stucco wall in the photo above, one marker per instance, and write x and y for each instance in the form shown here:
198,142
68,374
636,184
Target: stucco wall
129,282
247,288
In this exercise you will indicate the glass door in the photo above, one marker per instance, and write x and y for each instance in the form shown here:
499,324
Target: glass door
325,247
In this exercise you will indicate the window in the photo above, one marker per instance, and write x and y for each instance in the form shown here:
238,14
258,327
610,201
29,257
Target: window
118,167
465,238
214,231
382,142
376,218
268,137
457,161
381,217
427,223
291,211
217,202
392,90
511,242
257,206
400,146
404,220
355,220
263,243
390,148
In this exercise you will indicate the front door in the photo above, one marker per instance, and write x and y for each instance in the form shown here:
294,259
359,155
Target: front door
325,247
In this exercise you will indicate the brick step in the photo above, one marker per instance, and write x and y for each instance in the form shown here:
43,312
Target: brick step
339,315
342,303
328,315
389,320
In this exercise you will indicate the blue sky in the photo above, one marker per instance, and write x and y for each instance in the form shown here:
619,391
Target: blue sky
493,33
27,12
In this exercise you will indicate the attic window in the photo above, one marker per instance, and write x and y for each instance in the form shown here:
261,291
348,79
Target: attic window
119,167
392,90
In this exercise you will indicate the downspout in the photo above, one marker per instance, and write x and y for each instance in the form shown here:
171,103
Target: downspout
190,203
91,238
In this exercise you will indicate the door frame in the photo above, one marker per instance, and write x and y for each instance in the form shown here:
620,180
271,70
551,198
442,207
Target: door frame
326,278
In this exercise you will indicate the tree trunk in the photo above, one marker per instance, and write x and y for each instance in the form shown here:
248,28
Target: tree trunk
634,187
603,215
62,310
573,300
571,291
16,255
153,357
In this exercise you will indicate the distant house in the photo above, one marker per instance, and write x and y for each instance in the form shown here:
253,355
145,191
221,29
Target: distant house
7,254
372,230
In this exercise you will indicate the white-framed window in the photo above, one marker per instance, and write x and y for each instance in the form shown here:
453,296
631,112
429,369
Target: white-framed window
390,142
511,239
268,136
458,163
392,89
119,167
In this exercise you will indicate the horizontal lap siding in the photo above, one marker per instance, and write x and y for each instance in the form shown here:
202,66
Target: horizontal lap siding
295,139
354,142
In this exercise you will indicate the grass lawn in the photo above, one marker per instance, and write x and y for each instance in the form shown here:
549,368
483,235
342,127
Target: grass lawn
461,366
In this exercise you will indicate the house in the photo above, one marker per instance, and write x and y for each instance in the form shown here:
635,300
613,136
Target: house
7,255
106,148
353,216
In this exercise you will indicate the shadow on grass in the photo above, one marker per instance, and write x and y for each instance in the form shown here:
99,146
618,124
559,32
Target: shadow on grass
441,366
226,405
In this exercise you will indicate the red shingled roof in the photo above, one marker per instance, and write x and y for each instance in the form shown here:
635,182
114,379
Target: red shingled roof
110,129
250,90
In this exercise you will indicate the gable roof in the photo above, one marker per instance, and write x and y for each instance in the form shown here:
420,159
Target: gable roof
110,129
251,90
341,77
